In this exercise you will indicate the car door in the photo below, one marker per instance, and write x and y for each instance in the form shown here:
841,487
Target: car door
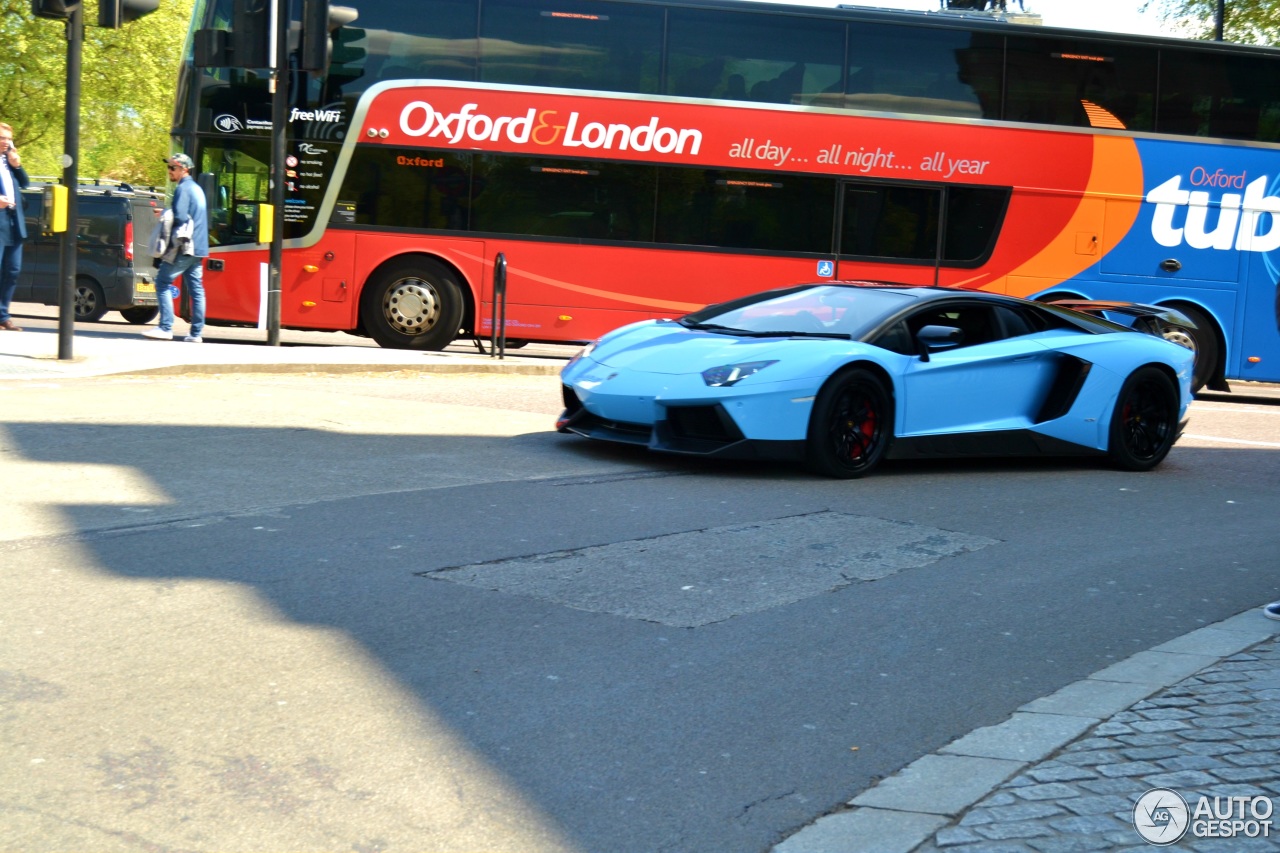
996,378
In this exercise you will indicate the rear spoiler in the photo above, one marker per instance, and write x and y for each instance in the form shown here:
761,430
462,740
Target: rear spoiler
1152,319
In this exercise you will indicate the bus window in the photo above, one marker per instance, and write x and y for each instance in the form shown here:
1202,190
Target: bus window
745,210
1213,95
574,199
571,44
890,221
392,40
974,215
1080,83
408,188
900,222
915,70
779,59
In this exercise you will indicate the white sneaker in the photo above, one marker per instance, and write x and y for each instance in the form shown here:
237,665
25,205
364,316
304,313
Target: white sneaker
194,339
158,335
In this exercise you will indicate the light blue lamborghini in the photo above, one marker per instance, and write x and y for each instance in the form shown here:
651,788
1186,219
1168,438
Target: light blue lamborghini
843,375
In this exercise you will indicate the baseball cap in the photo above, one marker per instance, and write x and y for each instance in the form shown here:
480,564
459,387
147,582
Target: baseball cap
181,160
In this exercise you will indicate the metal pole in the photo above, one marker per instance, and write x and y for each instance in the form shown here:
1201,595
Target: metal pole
498,334
1219,20
279,121
70,178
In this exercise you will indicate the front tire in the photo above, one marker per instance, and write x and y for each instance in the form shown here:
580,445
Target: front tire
851,426
140,315
90,304
413,305
1145,422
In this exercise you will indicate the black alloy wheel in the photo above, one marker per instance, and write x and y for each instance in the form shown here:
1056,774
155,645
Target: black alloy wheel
1144,425
851,425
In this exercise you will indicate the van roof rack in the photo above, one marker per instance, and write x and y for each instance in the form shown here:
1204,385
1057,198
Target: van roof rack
107,185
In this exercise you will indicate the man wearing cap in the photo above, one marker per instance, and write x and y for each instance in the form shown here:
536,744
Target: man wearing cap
189,213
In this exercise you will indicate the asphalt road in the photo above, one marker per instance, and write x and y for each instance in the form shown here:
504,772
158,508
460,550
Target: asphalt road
398,612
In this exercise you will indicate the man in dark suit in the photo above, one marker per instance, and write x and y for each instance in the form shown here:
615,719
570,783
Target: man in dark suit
13,223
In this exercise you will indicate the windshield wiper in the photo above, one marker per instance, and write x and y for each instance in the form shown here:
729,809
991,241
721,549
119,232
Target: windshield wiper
842,336
770,333
709,327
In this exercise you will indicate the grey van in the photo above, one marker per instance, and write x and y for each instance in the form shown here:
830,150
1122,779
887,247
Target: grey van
114,225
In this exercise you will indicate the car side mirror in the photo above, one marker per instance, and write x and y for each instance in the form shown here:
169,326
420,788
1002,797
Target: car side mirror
934,338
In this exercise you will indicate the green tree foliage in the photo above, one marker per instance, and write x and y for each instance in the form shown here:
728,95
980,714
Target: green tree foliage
1247,21
127,83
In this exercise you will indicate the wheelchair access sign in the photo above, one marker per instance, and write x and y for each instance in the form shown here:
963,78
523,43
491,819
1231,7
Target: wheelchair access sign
826,269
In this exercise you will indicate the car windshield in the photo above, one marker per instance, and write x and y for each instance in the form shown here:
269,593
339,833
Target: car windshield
810,310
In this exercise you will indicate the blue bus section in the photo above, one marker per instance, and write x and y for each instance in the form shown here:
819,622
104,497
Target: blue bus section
1206,240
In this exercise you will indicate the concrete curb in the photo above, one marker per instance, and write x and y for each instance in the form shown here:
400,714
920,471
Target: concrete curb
337,369
33,355
906,809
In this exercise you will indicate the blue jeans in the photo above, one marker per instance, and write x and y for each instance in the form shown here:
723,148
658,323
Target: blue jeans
191,269
10,266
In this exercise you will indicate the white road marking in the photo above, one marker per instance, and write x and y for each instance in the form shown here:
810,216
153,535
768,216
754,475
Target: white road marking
1232,440
1248,410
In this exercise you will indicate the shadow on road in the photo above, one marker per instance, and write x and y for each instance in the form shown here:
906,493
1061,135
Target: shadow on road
624,734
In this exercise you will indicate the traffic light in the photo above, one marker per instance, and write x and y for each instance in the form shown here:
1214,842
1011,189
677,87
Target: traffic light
210,47
114,14
246,45
250,36
57,9
314,51
345,58
320,19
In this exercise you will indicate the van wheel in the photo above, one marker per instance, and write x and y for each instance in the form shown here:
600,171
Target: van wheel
140,315
413,305
90,304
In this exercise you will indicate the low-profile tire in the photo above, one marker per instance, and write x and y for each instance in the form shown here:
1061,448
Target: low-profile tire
90,304
851,425
1204,342
140,315
413,305
1144,424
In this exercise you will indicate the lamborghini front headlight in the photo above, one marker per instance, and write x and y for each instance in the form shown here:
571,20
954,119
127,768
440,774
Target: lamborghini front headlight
727,375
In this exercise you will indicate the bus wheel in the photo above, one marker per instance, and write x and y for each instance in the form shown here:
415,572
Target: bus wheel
140,315
413,305
1203,341
90,304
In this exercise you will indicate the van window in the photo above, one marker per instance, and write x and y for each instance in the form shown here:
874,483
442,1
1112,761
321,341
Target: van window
99,221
